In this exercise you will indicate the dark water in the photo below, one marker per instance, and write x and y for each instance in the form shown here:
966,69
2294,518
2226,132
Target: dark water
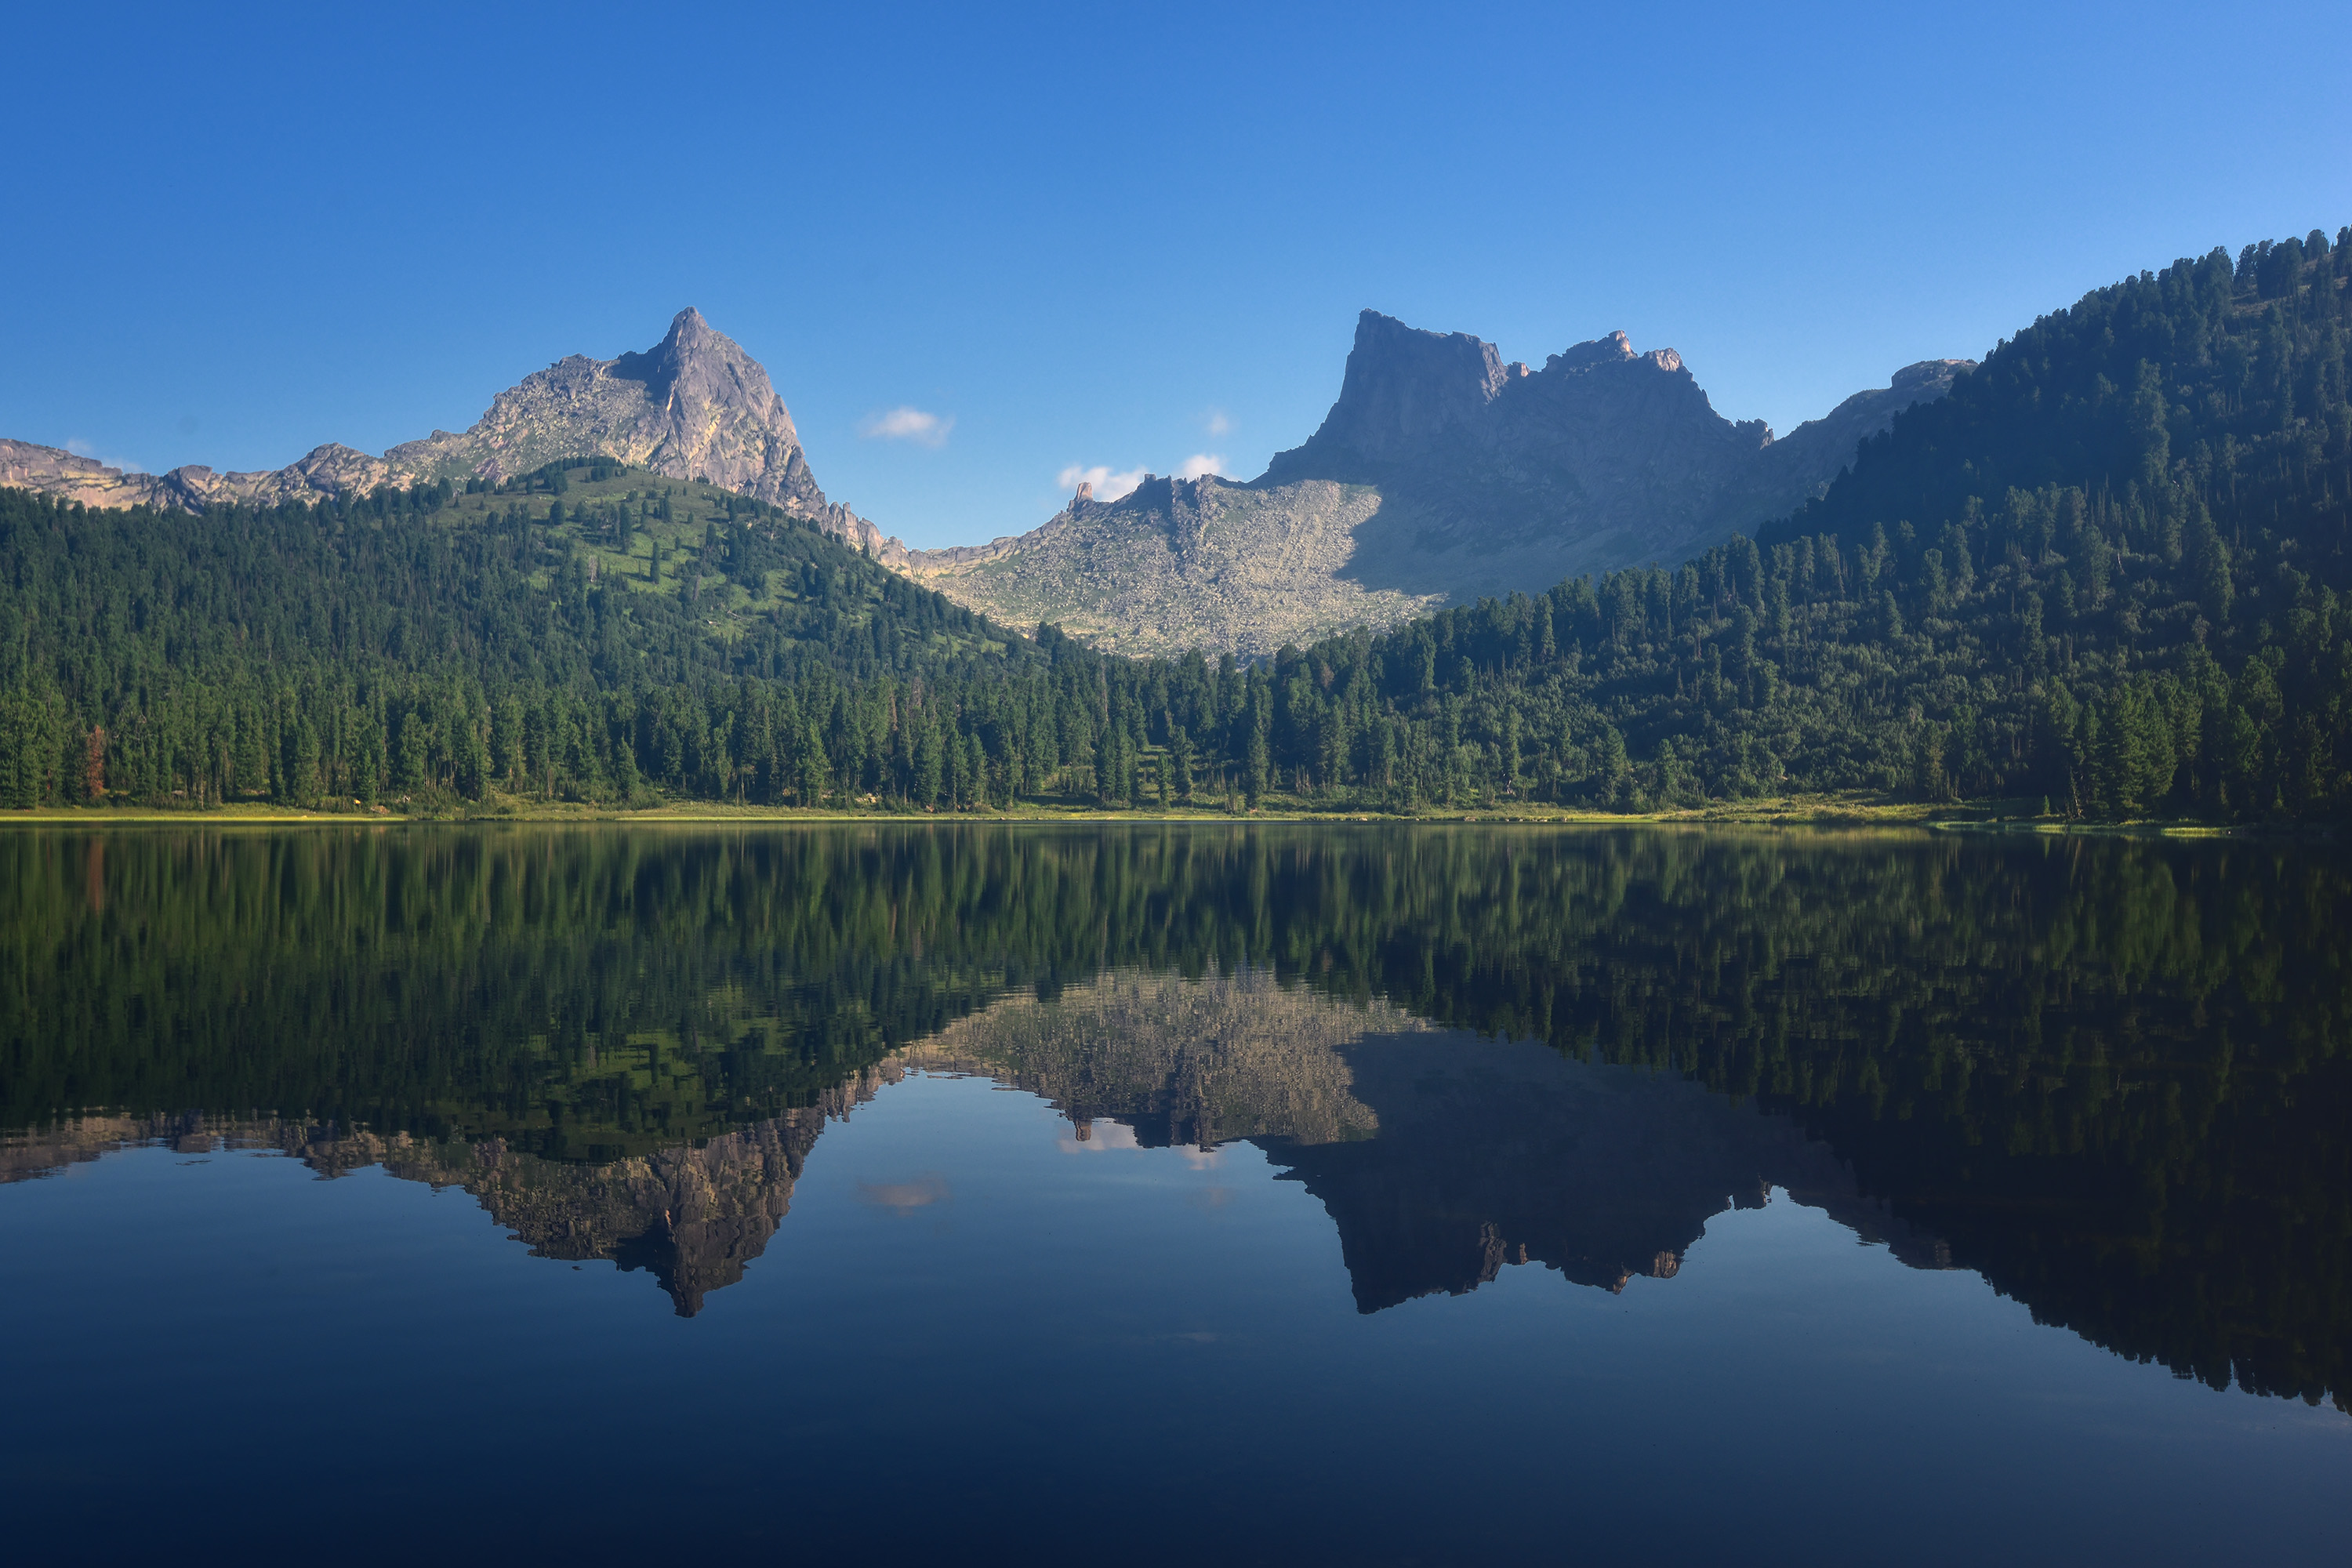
1203,1194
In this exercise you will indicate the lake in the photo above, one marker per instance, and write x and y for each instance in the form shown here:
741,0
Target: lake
1255,1194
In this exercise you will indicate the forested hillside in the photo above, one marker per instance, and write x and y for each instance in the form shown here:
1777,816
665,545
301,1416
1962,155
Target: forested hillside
2106,574
573,634
585,633
2107,571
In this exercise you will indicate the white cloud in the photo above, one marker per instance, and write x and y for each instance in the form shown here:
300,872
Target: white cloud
907,423
1107,485
1218,423
1201,464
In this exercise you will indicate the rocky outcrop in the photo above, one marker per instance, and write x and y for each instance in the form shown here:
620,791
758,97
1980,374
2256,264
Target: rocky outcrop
1441,475
1600,425
1404,390
1182,564
693,406
52,472
1603,444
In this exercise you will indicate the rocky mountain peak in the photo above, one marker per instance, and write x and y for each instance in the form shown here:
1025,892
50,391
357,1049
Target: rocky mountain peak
699,363
1404,386
695,406
1409,397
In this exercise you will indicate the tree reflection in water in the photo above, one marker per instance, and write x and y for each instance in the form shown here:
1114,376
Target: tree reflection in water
2109,1075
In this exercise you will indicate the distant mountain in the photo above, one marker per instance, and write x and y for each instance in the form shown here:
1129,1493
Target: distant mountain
1442,474
695,406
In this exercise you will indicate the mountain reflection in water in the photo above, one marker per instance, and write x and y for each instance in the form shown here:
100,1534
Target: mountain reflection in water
1441,1156
2109,1076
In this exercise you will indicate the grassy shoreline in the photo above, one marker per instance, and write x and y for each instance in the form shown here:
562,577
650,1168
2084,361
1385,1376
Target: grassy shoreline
1838,811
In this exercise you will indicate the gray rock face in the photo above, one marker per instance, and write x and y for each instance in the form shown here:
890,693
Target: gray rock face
1441,475
695,406
1405,390
1605,455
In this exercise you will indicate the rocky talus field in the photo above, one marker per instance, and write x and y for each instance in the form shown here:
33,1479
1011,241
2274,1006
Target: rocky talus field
1185,563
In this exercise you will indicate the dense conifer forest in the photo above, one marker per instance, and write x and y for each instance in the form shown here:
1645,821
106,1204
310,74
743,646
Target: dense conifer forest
2105,577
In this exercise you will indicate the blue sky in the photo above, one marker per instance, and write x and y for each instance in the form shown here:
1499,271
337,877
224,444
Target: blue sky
1089,237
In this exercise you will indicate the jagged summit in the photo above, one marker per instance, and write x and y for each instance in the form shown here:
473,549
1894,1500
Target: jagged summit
659,367
1411,399
1404,386
695,406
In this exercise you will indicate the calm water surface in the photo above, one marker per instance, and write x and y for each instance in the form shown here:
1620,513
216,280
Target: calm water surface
1257,1195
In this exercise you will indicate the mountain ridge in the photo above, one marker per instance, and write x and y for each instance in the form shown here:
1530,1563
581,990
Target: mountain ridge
1442,474
695,406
